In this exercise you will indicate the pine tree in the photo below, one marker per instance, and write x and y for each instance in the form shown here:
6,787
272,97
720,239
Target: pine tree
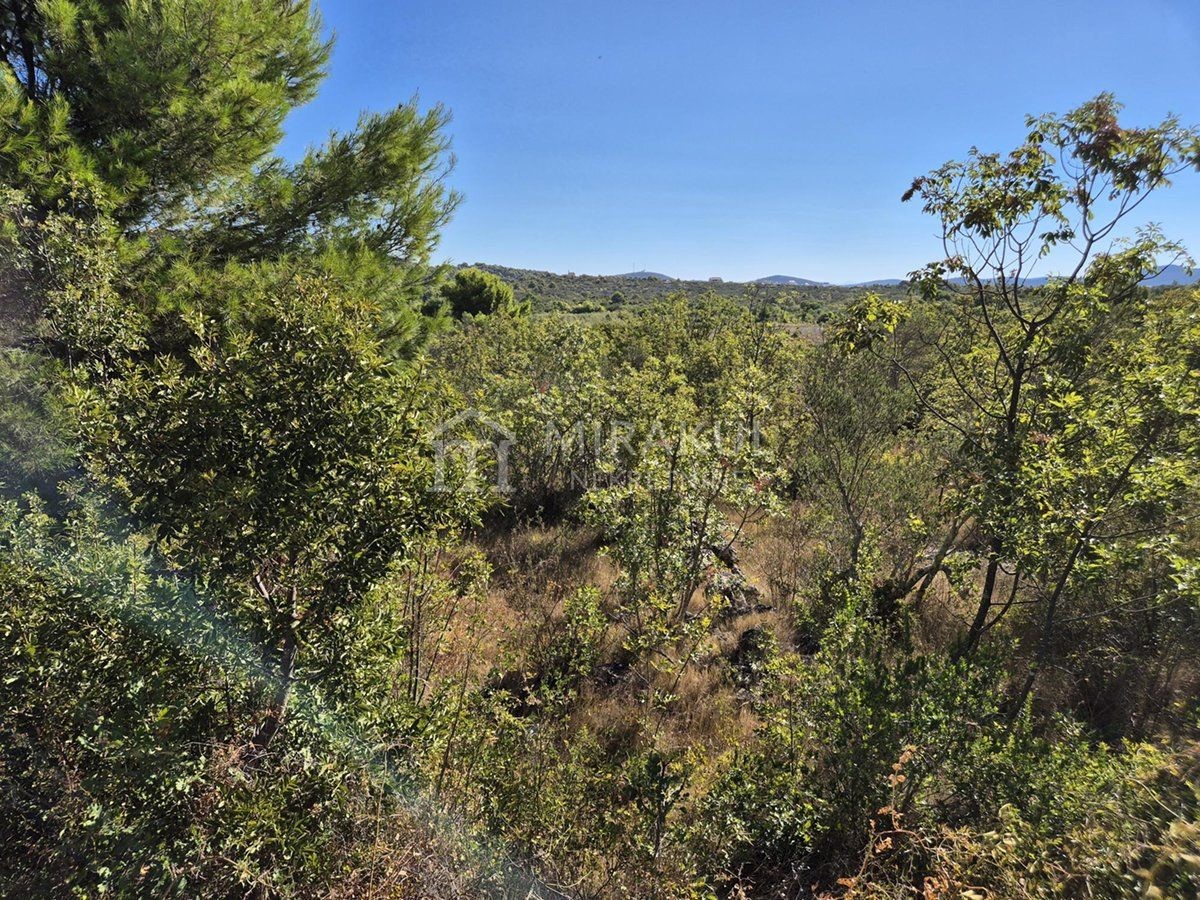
163,116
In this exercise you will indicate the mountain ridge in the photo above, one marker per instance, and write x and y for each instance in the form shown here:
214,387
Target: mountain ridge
642,274
1172,274
803,299
794,280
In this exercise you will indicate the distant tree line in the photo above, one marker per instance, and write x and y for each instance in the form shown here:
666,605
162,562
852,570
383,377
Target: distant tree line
550,292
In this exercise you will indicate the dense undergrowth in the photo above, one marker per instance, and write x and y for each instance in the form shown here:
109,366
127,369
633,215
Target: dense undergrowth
319,577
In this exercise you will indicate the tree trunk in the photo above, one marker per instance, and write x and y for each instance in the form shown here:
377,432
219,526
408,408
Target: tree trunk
25,39
970,643
274,719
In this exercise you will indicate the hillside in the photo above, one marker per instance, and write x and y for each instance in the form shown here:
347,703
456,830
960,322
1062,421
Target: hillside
797,299
791,280
643,274
1172,275
550,291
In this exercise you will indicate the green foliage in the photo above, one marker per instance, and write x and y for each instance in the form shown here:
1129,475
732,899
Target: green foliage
1066,814
666,520
34,426
376,193
857,727
858,450
868,319
99,704
270,447
747,613
148,129
551,292
574,651
473,292
1016,373
544,381
284,458
124,701
151,100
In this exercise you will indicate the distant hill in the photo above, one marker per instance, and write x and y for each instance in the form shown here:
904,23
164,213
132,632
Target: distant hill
1173,275
656,276
797,299
806,301
1168,276
789,280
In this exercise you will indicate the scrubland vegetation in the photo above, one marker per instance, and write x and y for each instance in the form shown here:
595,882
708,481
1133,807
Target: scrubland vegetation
325,574
583,294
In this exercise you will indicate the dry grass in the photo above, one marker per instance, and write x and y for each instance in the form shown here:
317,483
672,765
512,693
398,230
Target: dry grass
411,860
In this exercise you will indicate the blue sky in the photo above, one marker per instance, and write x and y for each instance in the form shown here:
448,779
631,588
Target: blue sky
740,139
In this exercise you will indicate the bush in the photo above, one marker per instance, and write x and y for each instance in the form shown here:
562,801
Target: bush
473,292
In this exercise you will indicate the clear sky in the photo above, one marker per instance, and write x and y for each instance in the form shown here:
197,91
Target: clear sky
740,139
